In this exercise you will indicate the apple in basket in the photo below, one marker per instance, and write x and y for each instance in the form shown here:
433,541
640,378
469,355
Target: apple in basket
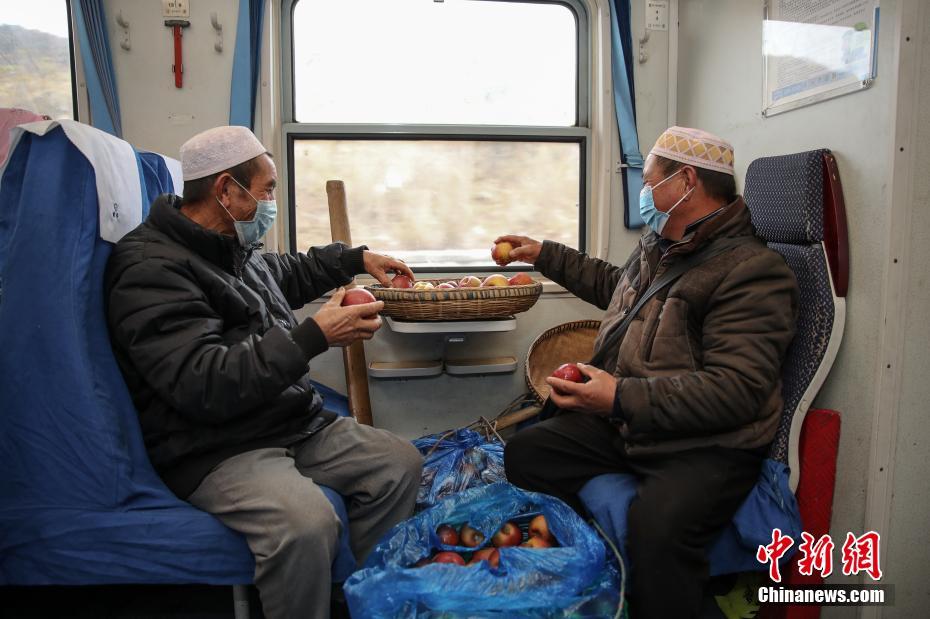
470,537
509,535
449,557
469,281
423,286
568,371
540,528
520,279
486,554
447,286
501,252
494,280
401,281
447,535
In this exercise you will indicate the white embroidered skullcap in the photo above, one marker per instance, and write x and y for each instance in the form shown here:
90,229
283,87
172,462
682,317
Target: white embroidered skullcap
697,148
218,149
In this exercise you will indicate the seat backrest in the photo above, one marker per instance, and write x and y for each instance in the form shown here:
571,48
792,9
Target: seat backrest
797,206
67,414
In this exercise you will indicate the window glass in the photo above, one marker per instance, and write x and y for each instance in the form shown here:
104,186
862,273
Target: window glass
35,57
425,62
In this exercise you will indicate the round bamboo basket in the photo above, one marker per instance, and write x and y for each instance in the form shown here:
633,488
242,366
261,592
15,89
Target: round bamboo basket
571,342
456,303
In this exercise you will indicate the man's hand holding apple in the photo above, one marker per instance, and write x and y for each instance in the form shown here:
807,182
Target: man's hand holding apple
344,325
523,249
595,396
378,266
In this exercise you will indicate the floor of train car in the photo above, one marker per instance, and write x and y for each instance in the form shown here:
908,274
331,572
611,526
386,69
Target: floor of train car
176,602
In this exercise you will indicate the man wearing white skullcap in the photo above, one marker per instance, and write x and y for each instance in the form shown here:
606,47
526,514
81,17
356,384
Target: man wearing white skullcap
204,331
684,390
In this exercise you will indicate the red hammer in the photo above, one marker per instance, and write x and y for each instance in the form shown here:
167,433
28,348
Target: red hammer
178,67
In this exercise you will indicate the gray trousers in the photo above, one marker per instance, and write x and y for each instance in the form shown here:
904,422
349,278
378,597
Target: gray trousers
271,497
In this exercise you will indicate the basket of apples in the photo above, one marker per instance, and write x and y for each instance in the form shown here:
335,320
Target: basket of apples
467,298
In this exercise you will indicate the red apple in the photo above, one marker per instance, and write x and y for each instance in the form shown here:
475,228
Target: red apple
569,371
509,535
469,281
470,537
501,252
486,554
447,286
358,296
449,557
447,535
401,281
540,528
494,280
536,542
520,279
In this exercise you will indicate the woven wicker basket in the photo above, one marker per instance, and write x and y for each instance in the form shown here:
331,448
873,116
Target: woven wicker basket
457,303
572,342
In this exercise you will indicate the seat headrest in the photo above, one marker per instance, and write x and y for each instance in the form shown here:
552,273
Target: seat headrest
785,195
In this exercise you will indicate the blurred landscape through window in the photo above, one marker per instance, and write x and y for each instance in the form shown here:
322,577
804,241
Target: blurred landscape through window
35,57
437,203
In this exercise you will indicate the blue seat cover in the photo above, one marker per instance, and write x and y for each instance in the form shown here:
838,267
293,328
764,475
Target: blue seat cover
80,504
770,504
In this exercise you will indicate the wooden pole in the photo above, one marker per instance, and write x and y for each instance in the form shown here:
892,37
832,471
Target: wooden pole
353,356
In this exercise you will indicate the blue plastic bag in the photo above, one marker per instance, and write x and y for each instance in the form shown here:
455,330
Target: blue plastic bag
573,580
457,462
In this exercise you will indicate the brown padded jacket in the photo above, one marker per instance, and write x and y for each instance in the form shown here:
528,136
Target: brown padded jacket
700,364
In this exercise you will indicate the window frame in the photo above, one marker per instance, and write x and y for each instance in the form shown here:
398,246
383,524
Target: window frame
79,102
580,133
75,111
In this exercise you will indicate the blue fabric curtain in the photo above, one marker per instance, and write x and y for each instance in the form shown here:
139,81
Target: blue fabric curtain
246,63
621,44
98,66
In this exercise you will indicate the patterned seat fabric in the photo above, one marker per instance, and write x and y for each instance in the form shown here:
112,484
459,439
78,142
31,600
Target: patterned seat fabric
785,196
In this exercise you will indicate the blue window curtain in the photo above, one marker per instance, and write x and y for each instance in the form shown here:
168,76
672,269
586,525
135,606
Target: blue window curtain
621,44
246,63
98,66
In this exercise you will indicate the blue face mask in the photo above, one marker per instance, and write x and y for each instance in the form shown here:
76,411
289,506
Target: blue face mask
653,217
250,231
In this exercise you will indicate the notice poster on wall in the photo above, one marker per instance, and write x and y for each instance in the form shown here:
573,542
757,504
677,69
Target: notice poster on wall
815,50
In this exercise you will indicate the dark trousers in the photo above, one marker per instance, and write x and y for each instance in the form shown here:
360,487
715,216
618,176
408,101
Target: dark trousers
683,501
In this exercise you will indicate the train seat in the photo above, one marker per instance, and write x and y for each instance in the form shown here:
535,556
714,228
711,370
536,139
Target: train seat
797,206
80,503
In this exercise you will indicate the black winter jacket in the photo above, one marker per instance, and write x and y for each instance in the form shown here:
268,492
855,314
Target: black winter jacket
207,341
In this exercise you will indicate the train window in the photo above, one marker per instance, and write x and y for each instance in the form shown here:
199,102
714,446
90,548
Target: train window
450,122
35,58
